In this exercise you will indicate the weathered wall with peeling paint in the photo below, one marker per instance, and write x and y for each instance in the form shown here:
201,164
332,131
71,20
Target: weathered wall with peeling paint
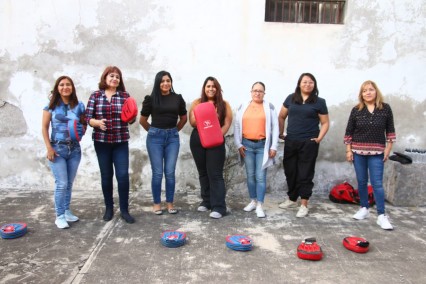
40,40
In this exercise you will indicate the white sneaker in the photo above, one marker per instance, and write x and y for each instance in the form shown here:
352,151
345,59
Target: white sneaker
361,214
215,215
303,211
259,211
69,217
288,204
202,208
383,222
61,223
251,206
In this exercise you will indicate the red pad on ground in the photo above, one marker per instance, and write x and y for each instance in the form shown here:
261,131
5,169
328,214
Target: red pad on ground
309,250
356,244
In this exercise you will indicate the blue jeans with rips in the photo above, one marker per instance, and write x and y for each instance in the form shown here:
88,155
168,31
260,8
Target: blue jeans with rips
114,156
64,168
163,149
256,177
372,165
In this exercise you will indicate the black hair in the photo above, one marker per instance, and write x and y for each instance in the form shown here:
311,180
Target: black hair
297,97
156,92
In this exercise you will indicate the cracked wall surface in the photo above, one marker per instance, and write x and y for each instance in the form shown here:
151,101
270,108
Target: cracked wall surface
380,40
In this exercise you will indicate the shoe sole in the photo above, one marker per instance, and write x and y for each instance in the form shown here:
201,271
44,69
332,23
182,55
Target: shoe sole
288,207
62,227
387,229
128,221
301,216
366,217
215,217
359,218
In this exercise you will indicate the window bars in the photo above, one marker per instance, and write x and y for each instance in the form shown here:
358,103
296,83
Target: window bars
314,12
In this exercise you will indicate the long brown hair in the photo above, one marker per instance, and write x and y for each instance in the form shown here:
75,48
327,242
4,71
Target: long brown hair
111,69
55,97
218,99
379,97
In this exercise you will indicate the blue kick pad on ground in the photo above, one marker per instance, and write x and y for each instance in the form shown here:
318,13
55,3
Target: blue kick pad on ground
173,239
239,242
13,230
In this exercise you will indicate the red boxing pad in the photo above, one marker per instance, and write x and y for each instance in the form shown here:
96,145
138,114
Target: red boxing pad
129,111
309,250
208,125
356,244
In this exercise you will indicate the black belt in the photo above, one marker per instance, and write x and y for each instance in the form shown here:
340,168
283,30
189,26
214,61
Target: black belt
256,140
69,143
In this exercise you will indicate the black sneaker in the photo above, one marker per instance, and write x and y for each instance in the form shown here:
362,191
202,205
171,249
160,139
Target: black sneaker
109,213
127,217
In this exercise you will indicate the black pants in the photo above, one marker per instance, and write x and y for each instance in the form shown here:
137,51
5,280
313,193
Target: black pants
299,167
210,163
114,156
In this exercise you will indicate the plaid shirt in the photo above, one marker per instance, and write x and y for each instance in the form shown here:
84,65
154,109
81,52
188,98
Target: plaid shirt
98,107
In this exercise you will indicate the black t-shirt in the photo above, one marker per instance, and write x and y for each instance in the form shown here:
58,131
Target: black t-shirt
303,120
166,113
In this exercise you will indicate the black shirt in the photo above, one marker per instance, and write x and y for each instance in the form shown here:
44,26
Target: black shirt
303,119
166,113
367,132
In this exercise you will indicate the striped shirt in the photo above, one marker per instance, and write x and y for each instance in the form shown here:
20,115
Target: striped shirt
98,107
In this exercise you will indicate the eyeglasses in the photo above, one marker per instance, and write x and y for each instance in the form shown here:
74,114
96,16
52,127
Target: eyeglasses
258,91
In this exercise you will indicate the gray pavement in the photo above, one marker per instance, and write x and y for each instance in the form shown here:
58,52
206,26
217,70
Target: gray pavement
94,251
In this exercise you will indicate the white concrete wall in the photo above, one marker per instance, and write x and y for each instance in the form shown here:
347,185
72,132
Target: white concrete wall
41,40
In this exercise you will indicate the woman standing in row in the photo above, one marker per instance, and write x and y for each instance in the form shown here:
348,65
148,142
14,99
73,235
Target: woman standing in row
305,111
63,153
210,162
111,136
168,112
256,137
369,138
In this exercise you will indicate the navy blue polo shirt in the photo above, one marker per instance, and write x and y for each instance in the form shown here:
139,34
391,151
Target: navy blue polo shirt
303,119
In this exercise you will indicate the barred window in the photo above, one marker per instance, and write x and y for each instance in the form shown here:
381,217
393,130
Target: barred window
307,11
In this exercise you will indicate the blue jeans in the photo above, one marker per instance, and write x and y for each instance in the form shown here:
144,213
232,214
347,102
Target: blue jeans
373,165
256,177
163,149
114,155
64,168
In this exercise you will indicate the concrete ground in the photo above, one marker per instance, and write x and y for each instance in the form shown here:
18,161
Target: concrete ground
94,251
